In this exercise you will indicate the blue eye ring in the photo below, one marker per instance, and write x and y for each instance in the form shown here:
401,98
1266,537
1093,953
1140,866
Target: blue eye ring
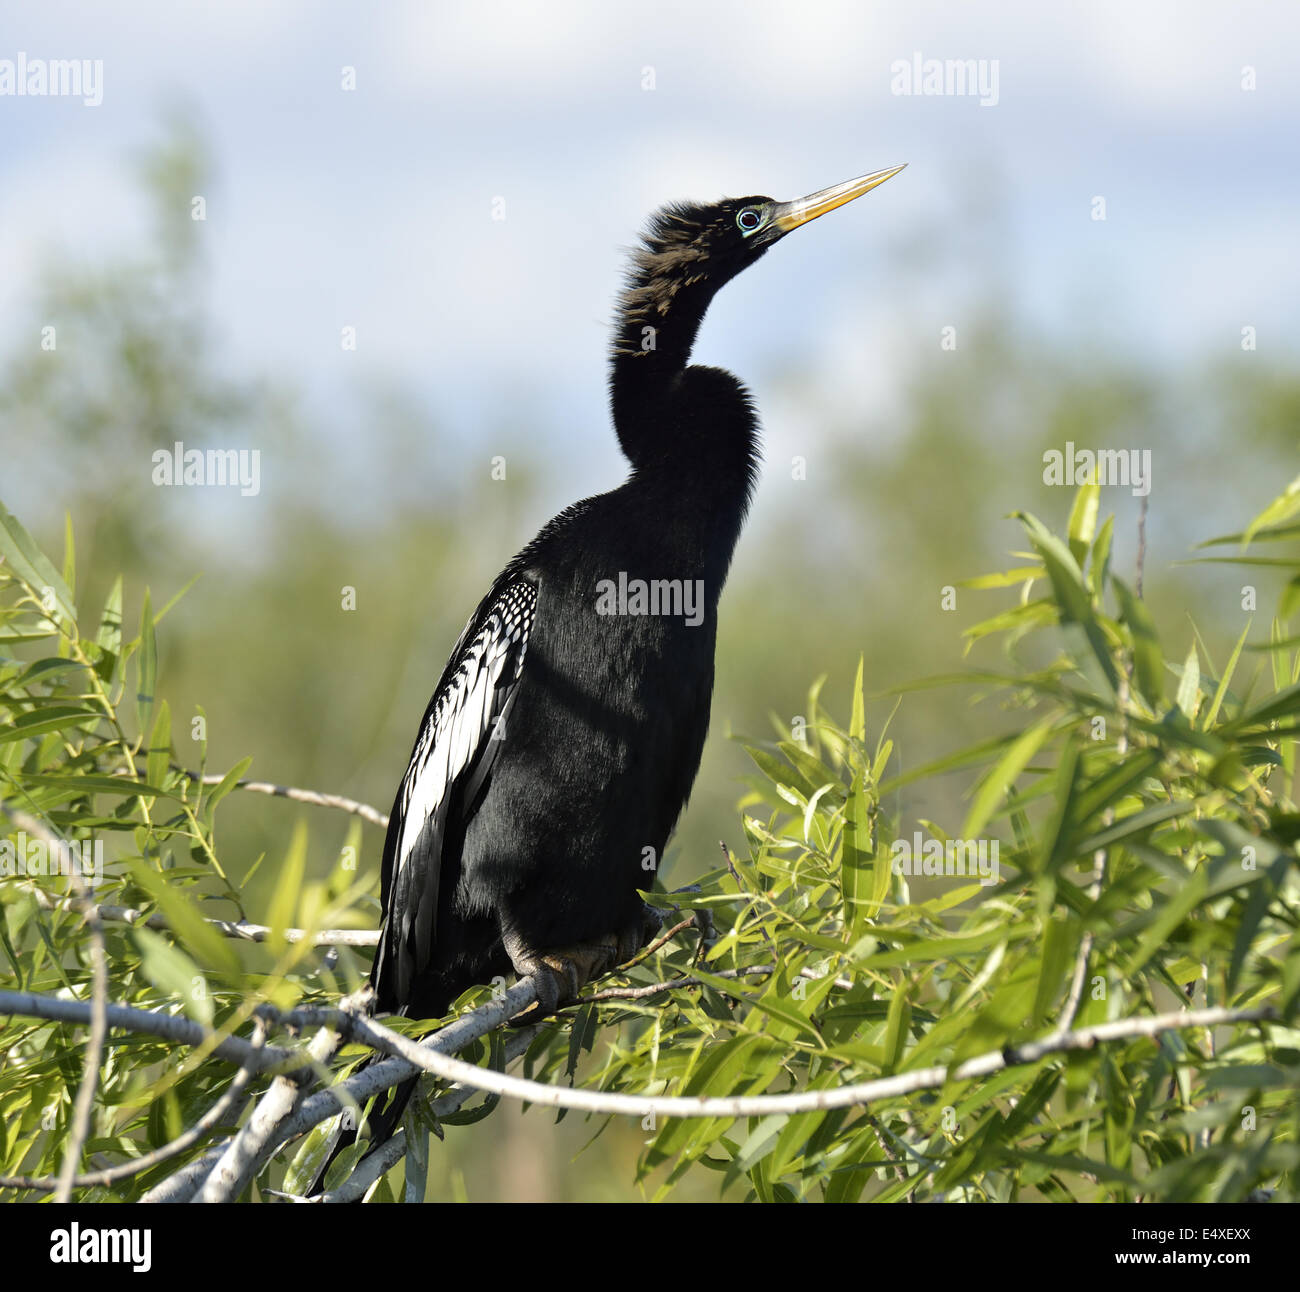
750,220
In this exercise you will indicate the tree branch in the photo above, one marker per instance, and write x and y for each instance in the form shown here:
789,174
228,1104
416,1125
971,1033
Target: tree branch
297,1115
365,1084
426,1058
314,797
237,1165
234,1049
379,1162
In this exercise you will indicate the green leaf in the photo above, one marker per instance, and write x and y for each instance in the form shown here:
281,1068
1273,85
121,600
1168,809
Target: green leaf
174,974
100,784
69,557
1171,912
1213,711
160,746
1289,601
225,786
1072,595
1282,508
897,1024
109,636
1100,565
1058,951
1002,776
780,773
1281,705
858,719
187,924
33,567
417,1161
1257,904
857,858
1148,659
288,889
1003,578
146,666
40,721
1083,520
1190,686
309,1159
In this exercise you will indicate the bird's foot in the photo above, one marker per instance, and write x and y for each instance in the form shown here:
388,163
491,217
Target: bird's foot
559,974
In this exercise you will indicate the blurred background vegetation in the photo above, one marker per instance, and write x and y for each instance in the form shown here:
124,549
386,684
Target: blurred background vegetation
909,499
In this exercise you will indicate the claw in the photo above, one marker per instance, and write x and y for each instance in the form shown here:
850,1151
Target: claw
559,974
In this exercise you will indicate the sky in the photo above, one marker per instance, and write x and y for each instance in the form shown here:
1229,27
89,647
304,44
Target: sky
374,207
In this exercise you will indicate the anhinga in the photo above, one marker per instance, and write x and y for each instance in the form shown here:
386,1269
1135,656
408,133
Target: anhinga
562,740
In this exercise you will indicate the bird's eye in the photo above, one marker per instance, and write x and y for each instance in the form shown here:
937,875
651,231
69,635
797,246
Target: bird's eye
748,220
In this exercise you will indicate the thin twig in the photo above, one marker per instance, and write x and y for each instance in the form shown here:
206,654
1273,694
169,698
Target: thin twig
647,951
242,930
314,797
900,1170
690,980
1142,544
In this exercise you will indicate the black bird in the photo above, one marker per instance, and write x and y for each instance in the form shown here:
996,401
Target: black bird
563,738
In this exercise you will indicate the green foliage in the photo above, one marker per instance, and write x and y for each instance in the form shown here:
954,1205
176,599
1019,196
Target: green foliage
1139,825
86,752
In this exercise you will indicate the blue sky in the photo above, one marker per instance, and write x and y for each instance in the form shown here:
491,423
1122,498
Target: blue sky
372,208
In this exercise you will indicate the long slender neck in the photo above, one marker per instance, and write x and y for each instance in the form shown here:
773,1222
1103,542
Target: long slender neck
658,319
691,425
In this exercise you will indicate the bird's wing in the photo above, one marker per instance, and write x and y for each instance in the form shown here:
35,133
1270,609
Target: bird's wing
458,741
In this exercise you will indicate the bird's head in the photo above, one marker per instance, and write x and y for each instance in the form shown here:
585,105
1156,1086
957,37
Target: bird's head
691,249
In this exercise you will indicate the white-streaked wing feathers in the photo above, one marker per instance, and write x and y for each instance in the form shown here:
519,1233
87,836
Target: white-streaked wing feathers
467,709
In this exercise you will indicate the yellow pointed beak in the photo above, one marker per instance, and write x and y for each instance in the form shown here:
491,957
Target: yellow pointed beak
790,215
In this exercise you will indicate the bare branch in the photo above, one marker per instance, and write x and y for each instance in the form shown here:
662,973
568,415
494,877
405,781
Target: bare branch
238,1164
388,1154
180,1186
669,984
314,797
386,1073
297,1115
443,1065
234,1049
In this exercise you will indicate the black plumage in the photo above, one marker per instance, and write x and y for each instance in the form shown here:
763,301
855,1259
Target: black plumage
561,743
